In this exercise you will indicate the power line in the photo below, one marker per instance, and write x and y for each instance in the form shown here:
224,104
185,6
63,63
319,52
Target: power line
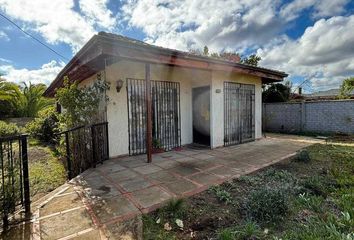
36,39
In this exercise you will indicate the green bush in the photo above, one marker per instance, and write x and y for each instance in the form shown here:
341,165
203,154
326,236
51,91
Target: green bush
8,129
267,205
45,127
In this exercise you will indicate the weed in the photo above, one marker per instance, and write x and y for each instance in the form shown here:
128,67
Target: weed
310,202
317,228
303,156
252,180
175,208
222,194
317,185
250,230
267,205
278,175
226,234
155,231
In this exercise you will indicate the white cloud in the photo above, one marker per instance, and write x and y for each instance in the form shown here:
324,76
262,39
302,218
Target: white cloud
4,36
4,60
321,8
45,74
193,24
97,13
57,21
324,54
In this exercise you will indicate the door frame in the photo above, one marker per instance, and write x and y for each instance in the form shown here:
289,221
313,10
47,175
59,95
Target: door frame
209,142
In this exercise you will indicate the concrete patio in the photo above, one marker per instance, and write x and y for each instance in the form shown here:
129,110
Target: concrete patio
107,202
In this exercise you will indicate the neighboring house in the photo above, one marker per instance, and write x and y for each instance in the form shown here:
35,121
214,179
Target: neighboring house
330,94
195,99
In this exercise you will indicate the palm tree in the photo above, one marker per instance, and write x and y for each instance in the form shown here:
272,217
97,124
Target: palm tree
25,101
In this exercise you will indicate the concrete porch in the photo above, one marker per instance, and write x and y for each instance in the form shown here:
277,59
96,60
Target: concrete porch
107,202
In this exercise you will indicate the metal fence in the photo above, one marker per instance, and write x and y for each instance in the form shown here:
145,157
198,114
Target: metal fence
85,147
14,179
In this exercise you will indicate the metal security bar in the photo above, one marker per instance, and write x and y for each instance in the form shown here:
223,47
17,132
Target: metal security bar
14,179
165,114
85,147
239,121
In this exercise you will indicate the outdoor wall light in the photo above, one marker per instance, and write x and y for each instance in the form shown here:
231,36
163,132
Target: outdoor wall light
119,85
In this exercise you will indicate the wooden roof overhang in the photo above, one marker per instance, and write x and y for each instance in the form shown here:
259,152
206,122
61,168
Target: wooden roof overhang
101,51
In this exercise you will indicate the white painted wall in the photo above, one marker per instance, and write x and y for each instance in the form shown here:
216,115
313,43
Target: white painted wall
117,108
217,103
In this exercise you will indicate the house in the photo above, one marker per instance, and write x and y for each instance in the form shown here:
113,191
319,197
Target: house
331,94
194,99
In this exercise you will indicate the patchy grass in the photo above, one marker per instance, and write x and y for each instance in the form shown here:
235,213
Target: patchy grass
309,197
46,171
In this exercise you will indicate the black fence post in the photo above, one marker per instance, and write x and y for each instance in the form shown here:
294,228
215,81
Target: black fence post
107,142
26,184
93,139
68,155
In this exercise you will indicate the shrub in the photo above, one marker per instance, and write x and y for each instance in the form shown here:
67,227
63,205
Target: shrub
267,205
45,127
8,129
303,156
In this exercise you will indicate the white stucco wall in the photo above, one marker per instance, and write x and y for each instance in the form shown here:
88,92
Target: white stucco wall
117,108
217,104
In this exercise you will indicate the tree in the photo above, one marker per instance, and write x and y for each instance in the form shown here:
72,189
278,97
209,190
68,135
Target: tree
5,95
24,101
81,104
347,88
277,92
206,51
252,60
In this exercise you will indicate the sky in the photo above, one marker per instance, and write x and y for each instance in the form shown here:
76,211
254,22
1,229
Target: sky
311,40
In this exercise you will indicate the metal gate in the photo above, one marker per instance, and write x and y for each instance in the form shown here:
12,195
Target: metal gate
239,121
14,179
165,115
